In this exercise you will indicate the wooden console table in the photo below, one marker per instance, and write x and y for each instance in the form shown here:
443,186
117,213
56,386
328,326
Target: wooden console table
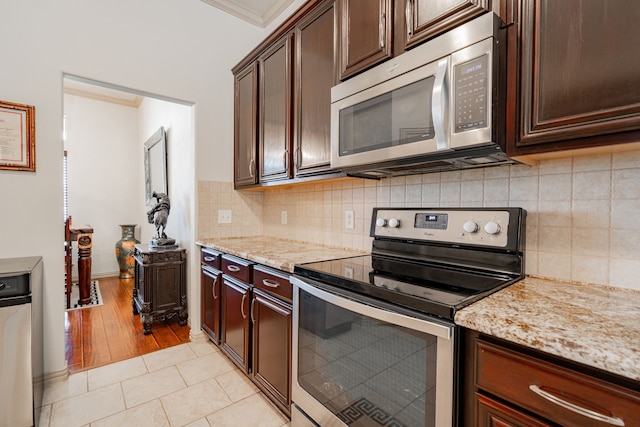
160,291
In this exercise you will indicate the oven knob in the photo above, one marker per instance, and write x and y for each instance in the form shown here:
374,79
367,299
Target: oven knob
381,222
470,227
492,227
394,223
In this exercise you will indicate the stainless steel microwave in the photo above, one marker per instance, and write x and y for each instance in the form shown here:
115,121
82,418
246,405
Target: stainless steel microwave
437,107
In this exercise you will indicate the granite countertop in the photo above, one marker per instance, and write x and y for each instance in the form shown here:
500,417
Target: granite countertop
282,254
595,325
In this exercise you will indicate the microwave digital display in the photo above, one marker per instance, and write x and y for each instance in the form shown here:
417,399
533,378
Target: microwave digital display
471,94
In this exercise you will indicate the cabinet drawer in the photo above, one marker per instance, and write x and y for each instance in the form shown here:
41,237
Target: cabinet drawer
272,281
561,395
237,267
211,258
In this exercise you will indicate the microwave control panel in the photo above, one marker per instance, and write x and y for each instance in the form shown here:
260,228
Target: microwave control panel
471,94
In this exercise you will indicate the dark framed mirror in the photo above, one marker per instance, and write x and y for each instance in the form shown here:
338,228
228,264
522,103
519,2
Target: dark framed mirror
155,165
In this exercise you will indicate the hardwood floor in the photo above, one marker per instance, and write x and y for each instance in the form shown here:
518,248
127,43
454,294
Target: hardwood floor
109,333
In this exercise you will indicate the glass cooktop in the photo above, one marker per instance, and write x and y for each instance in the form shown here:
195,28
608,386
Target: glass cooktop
433,289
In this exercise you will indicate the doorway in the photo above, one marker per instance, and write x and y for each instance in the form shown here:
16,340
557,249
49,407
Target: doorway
105,127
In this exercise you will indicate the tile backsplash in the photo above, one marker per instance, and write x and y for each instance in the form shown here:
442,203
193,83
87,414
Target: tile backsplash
580,222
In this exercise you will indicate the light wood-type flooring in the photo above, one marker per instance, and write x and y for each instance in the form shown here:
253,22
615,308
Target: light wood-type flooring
110,333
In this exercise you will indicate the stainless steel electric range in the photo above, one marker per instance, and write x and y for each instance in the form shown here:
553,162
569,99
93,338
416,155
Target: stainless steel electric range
374,341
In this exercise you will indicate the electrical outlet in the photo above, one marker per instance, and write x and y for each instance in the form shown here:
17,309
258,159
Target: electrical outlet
224,216
348,272
283,217
348,219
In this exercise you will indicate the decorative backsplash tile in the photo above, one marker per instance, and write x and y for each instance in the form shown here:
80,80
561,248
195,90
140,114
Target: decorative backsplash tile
580,223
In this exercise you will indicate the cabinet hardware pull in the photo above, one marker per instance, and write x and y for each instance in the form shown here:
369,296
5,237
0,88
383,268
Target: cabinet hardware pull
407,15
286,160
575,408
251,163
213,289
270,283
253,320
209,258
2,285
233,268
297,162
244,296
382,28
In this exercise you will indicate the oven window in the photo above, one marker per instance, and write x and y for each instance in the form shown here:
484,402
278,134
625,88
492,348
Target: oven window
365,371
398,117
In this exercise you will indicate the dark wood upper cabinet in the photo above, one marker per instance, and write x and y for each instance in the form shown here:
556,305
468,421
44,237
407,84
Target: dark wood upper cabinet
424,19
579,78
245,123
364,33
314,75
275,111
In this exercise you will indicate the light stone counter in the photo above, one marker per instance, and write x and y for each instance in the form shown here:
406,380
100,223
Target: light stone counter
594,325
277,253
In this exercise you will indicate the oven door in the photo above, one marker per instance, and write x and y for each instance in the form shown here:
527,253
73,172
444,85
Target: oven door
357,362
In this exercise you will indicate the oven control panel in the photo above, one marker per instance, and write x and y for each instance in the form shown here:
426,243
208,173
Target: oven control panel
484,227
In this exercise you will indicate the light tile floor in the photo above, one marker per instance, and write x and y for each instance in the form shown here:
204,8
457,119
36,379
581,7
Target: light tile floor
190,384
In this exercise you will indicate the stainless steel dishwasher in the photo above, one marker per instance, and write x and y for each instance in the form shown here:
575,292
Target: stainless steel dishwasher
21,341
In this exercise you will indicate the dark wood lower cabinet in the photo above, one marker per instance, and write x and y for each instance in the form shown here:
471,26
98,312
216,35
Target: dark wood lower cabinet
495,414
235,321
247,310
517,387
271,361
210,302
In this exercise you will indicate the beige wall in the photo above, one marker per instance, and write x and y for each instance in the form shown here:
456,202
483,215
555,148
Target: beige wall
580,224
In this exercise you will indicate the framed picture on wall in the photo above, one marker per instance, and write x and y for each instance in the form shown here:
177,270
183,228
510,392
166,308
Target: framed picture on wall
17,137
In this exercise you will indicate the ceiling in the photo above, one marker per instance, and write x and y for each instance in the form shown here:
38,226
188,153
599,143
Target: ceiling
102,92
256,12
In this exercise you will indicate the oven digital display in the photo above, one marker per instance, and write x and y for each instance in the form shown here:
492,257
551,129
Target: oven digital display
431,221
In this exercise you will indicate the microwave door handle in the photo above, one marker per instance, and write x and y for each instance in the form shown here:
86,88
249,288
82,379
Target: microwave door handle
439,104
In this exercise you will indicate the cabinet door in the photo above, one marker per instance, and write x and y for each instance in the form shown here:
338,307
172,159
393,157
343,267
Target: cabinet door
580,72
166,286
271,362
245,121
235,321
424,19
315,74
364,34
275,111
492,413
210,303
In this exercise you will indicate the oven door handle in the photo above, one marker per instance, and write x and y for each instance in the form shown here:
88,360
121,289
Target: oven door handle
366,308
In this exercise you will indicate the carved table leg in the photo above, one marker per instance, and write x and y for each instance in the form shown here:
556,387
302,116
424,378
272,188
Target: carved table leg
84,268
146,324
147,318
182,318
133,302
